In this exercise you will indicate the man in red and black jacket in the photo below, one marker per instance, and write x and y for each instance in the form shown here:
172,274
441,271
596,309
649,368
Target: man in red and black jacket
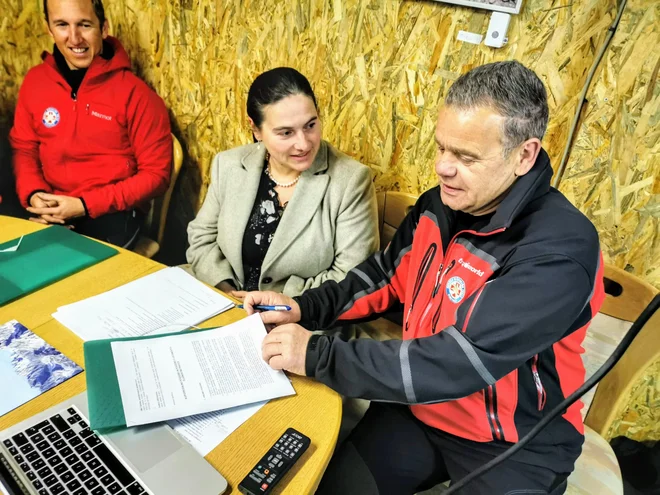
91,141
498,276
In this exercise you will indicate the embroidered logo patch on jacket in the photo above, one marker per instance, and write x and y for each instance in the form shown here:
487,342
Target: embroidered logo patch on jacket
51,117
455,289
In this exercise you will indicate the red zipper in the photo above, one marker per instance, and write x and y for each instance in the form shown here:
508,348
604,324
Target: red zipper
419,280
438,281
474,303
493,415
540,391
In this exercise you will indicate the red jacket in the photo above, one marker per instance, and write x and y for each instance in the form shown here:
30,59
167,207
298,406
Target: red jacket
111,145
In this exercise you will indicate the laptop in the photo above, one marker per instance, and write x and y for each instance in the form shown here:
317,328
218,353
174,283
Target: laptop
55,452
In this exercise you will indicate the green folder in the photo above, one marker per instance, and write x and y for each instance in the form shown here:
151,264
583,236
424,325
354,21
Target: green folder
106,409
43,258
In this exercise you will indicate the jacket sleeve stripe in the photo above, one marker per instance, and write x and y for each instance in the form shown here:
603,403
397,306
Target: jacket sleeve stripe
406,372
372,287
358,296
470,354
379,260
370,283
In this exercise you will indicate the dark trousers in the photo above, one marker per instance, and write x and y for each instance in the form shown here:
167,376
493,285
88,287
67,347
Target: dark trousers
392,452
121,228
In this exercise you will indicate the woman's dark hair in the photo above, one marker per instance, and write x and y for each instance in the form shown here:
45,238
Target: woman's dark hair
272,86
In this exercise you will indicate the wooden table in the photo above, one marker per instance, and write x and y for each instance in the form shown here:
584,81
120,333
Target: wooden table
315,410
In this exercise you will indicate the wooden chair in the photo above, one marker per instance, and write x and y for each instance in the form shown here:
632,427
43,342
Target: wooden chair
146,246
597,470
626,297
392,209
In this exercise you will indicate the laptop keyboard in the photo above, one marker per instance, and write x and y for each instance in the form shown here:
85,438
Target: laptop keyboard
63,456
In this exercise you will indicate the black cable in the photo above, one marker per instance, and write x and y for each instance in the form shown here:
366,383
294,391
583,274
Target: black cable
560,408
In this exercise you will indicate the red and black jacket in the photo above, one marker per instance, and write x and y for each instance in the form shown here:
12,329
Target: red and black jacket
493,322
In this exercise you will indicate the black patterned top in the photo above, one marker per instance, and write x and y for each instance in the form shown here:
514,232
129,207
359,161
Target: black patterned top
260,230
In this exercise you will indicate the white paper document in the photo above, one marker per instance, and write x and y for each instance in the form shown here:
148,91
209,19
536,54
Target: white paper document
197,372
206,431
169,300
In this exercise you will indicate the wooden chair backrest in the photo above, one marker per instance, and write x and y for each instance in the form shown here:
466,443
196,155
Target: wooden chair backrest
157,218
626,297
392,209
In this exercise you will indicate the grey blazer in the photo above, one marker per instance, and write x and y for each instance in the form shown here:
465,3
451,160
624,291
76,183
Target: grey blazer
329,226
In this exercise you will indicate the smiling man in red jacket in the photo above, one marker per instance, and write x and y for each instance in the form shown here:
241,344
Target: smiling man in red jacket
91,140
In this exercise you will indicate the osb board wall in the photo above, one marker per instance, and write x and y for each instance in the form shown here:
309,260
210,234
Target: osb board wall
640,419
379,67
614,169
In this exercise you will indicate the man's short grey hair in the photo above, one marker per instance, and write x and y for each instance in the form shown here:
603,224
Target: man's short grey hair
512,90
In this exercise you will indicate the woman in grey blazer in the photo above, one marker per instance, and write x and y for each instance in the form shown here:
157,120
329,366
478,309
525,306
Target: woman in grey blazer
288,212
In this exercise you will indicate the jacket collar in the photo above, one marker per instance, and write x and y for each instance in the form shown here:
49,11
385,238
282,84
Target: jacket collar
99,67
525,189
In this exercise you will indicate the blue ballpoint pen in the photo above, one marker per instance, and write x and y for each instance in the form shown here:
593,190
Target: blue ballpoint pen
263,307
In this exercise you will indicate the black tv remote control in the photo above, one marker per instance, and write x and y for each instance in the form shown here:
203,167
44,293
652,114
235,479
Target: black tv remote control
275,464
